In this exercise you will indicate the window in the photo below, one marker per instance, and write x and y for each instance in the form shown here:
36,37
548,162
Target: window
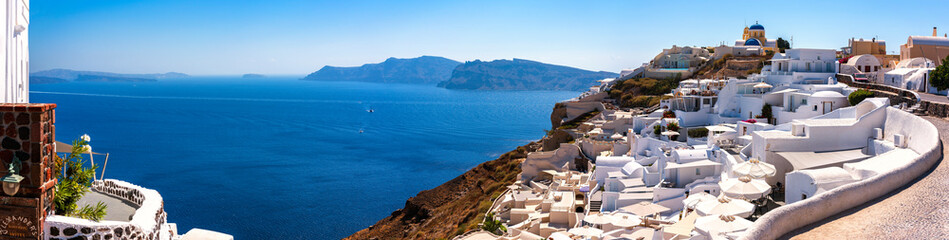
803,196
698,171
815,108
708,191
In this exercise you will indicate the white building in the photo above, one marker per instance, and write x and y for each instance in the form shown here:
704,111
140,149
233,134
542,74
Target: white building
911,74
864,67
801,66
16,52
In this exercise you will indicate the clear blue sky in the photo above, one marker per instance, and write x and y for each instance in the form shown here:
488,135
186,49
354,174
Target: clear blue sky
298,37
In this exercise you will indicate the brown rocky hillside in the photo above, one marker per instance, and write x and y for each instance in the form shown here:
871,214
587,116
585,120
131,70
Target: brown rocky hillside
729,67
454,207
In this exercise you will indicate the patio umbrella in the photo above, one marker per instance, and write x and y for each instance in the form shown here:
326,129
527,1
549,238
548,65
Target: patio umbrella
745,187
644,208
763,85
719,128
62,147
597,219
694,199
586,231
720,224
616,136
727,206
637,233
669,133
754,168
625,220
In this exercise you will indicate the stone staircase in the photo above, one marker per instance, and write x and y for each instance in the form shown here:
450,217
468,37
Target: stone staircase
595,206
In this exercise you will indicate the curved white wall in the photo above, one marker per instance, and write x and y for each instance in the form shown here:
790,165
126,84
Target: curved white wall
923,138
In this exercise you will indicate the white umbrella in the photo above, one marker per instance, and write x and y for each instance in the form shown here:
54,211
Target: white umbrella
720,224
616,136
586,231
763,85
720,128
597,219
745,187
644,208
641,232
727,206
625,220
754,168
694,199
670,133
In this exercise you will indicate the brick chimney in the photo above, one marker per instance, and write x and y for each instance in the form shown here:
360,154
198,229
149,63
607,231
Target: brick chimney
934,31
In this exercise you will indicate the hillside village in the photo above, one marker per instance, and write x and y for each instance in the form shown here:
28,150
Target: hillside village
744,141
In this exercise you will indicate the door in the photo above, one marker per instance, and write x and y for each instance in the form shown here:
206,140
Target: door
828,106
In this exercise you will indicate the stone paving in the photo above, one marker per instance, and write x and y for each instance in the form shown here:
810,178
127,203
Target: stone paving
116,209
919,210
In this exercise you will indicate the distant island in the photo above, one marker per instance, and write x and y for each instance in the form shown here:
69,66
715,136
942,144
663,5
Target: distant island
65,75
516,74
420,70
46,80
253,75
520,74
97,78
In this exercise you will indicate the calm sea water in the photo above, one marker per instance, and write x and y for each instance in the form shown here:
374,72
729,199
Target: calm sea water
280,158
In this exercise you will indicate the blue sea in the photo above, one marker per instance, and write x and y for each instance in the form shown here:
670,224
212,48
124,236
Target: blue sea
281,158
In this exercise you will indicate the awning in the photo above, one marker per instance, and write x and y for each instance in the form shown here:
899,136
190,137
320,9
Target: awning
636,196
683,227
62,147
615,174
700,163
784,91
720,128
628,183
808,160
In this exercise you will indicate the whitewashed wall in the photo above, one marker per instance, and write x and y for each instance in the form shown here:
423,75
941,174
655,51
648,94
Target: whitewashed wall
924,138
16,52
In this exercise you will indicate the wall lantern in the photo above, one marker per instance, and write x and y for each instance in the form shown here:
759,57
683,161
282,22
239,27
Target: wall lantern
11,182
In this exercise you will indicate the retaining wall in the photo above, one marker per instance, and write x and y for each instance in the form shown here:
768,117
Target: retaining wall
923,138
898,96
148,223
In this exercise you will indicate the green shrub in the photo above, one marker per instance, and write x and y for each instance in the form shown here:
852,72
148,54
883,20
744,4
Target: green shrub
493,225
766,111
657,129
698,132
74,182
858,96
672,127
668,114
939,77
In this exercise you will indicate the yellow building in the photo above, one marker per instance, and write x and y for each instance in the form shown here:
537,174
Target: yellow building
934,48
872,47
875,47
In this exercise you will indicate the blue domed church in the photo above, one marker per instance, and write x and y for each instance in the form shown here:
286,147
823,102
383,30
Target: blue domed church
754,36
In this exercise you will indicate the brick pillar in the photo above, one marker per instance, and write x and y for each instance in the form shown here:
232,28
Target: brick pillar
27,133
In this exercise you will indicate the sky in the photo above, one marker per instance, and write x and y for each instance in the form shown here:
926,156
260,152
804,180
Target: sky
224,37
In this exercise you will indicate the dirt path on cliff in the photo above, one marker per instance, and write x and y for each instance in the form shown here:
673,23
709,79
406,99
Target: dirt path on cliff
919,210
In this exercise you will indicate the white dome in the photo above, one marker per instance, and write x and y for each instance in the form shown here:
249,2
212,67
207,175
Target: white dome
917,62
827,94
863,60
